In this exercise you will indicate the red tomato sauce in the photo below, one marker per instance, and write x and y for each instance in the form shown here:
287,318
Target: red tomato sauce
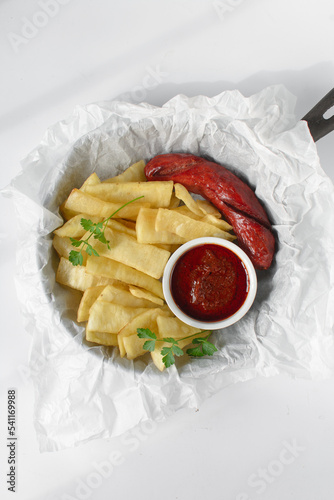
209,283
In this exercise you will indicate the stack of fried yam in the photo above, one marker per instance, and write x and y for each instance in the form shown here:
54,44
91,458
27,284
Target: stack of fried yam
121,287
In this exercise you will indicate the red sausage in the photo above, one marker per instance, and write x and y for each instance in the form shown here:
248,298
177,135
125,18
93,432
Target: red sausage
228,193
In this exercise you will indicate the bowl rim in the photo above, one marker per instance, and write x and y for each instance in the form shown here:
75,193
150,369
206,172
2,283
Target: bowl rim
209,325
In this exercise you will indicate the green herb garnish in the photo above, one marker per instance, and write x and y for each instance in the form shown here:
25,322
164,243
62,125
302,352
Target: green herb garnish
97,231
203,346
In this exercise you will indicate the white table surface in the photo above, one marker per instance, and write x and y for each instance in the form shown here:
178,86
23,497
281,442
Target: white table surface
269,438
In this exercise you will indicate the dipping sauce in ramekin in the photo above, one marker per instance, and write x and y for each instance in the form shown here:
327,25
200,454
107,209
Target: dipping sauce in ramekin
209,283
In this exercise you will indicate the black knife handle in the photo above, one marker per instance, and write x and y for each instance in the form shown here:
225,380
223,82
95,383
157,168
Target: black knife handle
318,125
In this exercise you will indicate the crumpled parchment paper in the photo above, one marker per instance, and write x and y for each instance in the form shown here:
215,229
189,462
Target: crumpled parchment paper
84,391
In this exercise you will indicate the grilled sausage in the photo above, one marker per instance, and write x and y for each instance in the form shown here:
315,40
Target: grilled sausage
229,194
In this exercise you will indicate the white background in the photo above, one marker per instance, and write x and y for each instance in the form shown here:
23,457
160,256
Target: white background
269,439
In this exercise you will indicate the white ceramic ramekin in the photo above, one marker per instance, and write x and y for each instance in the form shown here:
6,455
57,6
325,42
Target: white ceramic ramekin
209,325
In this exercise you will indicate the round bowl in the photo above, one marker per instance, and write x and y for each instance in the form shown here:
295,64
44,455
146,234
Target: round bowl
249,285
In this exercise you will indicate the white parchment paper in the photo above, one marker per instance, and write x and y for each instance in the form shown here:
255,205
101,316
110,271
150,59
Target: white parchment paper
84,391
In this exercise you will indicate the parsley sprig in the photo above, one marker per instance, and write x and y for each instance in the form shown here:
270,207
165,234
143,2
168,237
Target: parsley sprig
202,346
97,231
